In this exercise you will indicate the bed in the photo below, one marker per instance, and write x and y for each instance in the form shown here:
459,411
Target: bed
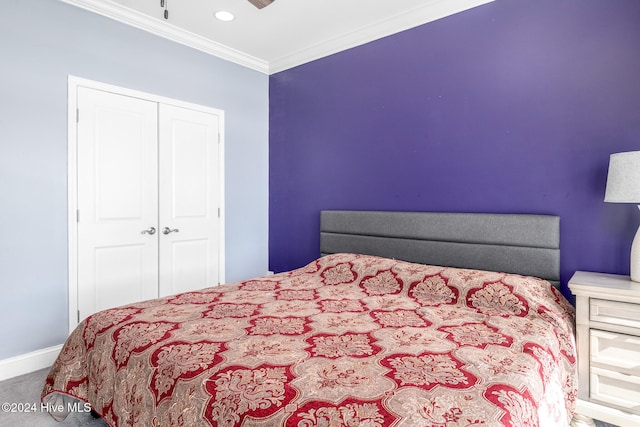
407,319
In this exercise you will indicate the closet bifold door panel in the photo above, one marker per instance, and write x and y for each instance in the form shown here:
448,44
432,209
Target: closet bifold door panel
117,200
188,199
148,199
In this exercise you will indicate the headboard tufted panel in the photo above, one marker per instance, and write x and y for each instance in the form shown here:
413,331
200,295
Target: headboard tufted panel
513,243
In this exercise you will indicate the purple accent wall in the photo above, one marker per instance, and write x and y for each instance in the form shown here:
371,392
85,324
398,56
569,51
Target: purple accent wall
511,107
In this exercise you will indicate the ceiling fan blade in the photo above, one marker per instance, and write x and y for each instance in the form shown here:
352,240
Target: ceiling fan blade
261,3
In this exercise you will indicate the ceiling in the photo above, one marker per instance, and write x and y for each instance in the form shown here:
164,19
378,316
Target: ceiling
282,35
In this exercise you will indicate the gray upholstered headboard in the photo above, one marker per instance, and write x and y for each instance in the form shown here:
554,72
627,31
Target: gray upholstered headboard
512,243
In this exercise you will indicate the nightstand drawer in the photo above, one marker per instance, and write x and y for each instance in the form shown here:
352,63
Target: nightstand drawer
614,312
608,340
618,352
615,389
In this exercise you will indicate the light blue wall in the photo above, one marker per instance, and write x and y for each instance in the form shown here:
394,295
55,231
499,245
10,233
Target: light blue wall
41,43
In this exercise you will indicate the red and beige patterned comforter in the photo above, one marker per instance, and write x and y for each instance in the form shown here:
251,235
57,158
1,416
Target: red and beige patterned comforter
348,340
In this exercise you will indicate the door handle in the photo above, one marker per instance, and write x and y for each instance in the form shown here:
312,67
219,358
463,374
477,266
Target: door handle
150,230
168,230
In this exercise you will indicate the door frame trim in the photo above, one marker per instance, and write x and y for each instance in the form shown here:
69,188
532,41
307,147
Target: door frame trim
72,176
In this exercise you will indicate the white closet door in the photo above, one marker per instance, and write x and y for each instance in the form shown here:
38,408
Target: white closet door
117,200
189,199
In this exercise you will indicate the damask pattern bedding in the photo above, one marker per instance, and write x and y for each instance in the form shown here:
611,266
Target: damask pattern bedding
348,340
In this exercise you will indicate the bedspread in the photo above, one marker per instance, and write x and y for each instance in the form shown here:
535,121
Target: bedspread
348,340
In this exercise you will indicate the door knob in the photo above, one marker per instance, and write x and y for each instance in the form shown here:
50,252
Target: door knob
150,230
168,230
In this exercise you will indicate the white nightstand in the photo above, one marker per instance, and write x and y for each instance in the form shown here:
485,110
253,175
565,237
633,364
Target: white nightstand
608,340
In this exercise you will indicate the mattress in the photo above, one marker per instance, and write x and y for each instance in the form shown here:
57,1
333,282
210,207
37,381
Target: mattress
347,340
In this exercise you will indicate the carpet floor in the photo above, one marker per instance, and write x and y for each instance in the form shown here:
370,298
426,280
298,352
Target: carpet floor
25,391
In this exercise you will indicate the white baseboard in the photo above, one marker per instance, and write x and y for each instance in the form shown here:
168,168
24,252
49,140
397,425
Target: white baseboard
26,363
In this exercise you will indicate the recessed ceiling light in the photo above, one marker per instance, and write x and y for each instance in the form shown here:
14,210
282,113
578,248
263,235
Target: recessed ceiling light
223,15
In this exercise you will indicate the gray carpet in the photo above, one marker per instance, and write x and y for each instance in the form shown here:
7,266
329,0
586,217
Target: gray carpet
26,390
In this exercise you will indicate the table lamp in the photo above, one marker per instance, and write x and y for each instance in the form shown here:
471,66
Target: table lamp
623,186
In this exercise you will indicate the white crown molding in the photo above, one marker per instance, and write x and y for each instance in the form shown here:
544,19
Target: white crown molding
427,12
164,29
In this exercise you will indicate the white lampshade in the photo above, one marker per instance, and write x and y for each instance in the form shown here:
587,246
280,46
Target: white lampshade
623,180
623,186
